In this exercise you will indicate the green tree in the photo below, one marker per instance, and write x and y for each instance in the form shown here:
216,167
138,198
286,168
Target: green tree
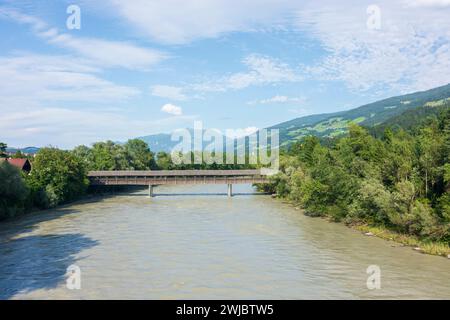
18,155
109,156
139,155
13,191
60,174
3,147
164,161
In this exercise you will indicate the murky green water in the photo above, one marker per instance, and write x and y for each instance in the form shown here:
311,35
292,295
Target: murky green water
183,246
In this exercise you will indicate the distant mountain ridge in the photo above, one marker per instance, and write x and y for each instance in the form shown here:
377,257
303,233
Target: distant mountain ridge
27,150
372,114
336,124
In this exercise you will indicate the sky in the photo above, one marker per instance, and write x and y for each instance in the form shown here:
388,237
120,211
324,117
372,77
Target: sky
137,67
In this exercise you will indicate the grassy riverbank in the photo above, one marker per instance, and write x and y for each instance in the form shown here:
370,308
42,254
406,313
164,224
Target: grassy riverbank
423,246
428,247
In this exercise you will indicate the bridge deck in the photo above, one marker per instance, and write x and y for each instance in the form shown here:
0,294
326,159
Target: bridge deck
159,177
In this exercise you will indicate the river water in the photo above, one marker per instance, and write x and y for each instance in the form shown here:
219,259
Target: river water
193,242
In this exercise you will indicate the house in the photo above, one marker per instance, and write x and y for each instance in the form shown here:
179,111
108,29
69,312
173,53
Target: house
21,163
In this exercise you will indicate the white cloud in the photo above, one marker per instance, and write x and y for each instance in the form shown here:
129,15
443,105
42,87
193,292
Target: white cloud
169,92
173,21
240,132
279,99
411,50
33,80
262,70
101,52
172,109
110,53
428,3
67,128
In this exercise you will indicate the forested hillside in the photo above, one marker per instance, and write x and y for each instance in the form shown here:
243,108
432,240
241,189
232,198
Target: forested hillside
335,124
399,182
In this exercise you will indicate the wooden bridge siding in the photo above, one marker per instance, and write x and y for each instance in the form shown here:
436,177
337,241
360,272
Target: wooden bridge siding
145,181
177,173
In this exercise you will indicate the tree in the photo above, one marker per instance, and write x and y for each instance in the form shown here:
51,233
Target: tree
60,174
164,161
3,147
85,154
13,191
139,155
109,156
18,155
429,146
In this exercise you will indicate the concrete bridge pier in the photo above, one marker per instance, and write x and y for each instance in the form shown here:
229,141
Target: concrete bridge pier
150,191
230,190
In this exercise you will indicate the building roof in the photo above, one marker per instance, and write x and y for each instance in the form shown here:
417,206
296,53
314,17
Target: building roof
21,163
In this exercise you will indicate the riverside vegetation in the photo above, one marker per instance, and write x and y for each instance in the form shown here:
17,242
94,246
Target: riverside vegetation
395,184
60,176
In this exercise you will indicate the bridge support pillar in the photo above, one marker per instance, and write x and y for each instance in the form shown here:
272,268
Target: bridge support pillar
150,191
230,190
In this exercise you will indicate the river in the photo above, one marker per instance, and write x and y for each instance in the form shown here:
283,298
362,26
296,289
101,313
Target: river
193,242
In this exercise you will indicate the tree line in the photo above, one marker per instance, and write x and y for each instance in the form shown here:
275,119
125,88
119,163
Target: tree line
60,176
400,180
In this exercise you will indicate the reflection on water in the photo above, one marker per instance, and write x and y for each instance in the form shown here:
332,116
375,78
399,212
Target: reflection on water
183,244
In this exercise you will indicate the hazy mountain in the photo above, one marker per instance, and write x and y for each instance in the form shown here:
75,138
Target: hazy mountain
159,142
27,150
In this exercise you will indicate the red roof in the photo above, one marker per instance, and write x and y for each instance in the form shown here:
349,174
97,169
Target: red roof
19,163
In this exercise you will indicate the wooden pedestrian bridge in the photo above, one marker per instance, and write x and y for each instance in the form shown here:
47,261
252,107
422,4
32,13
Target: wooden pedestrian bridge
175,177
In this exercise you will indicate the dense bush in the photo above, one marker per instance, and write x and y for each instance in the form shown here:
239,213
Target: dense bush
13,191
58,176
400,181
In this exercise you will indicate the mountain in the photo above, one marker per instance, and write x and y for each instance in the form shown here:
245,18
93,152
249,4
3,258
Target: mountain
159,142
163,142
412,118
372,114
399,110
27,150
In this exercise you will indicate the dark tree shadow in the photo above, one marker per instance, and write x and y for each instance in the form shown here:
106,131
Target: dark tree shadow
29,222
38,261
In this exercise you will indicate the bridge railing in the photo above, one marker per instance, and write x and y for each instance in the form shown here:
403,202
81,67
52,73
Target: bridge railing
180,173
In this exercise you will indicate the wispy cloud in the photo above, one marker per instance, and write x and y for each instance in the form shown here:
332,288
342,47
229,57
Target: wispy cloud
411,50
33,80
428,3
68,128
101,52
279,99
261,70
175,22
169,92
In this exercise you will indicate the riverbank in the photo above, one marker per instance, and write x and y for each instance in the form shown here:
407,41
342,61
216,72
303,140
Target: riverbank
422,246
428,247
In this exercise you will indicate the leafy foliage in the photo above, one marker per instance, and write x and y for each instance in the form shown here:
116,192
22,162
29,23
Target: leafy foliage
13,191
400,180
57,175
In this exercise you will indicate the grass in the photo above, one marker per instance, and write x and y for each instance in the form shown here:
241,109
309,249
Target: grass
429,247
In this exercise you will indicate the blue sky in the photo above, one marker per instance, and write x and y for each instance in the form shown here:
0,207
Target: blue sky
143,67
